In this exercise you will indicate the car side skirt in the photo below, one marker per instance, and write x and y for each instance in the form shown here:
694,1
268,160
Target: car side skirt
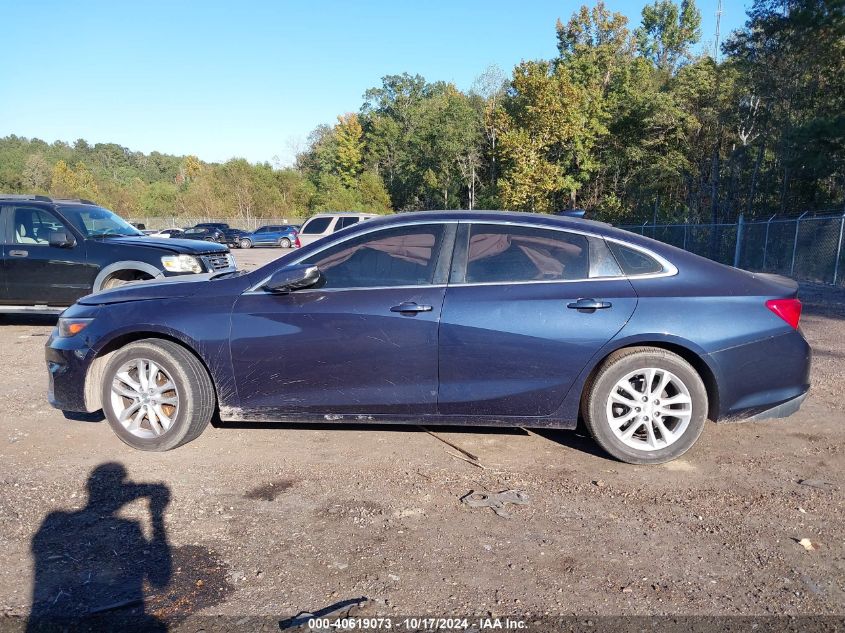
272,415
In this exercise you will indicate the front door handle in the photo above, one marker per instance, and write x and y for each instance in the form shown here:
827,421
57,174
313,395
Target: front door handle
589,305
410,307
18,253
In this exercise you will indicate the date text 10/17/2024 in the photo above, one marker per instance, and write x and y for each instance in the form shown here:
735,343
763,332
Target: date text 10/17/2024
415,624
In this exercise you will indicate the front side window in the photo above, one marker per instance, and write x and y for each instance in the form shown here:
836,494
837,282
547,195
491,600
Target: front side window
316,226
502,253
405,256
31,225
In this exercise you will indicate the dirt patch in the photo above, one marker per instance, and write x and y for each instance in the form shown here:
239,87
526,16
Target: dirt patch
269,491
198,581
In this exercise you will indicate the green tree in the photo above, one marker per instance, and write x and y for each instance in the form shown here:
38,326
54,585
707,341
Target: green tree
349,149
668,32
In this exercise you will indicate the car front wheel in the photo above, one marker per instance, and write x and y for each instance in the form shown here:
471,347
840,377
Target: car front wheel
646,405
245,243
157,395
284,242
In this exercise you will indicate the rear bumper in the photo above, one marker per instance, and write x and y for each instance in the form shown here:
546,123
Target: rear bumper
783,410
763,377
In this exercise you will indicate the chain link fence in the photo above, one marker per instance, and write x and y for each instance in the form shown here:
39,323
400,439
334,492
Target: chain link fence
182,222
804,247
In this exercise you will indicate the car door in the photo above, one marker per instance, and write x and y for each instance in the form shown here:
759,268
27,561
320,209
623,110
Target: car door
525,310
38,273
260,235
4,222
316,228
363,341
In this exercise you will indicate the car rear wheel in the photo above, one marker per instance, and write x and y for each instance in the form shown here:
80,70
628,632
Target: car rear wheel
646,405
157,395
284,242
245,243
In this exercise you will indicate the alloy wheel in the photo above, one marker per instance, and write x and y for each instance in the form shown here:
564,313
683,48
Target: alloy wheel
144,398
649,409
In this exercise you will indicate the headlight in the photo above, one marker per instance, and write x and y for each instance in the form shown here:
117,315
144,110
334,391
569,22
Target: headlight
71,327
181,264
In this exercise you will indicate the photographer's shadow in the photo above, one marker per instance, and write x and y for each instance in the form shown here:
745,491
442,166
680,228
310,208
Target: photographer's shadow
91,565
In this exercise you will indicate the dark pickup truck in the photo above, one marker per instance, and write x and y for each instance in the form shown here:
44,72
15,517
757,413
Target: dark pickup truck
55,251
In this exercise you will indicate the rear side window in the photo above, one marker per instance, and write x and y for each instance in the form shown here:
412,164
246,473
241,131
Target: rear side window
502,253
315,226
344,222
634,262
405,256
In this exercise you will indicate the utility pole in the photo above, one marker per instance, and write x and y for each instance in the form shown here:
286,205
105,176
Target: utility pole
718,28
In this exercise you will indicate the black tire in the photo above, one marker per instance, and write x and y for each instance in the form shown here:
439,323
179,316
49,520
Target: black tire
246,243
117,280
114,282
284,242
197,400
617,366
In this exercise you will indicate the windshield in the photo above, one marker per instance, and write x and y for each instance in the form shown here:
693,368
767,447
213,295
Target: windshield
98,222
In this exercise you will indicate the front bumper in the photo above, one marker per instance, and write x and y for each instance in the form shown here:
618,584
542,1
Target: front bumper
67,367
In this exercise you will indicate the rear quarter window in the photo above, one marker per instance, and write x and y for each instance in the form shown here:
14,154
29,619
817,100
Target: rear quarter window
634,262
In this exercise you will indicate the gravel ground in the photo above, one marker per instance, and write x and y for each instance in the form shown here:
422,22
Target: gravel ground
278,520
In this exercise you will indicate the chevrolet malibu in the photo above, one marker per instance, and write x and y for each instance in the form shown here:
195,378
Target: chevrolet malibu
481,318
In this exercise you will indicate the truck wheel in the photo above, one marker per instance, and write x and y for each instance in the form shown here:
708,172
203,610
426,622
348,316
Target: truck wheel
646,405
157,395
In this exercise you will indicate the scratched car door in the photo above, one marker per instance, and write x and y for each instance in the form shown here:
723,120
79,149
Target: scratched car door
363,341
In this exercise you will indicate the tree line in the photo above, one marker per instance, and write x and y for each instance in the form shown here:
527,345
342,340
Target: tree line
627,121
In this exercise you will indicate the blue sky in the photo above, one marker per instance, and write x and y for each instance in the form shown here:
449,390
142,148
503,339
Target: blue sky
252,78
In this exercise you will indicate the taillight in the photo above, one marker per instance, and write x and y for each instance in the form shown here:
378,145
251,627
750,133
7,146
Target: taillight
298,244
787,309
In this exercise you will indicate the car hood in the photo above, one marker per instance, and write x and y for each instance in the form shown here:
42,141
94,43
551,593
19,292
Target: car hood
171,244
160,288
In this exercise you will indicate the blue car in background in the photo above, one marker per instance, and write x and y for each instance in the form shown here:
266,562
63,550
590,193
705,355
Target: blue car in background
282,235
485,318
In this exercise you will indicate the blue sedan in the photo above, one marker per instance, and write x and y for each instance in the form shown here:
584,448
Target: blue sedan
271,235
483,318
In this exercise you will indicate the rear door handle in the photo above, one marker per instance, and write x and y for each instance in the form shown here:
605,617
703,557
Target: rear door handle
409,307
18,253
589,304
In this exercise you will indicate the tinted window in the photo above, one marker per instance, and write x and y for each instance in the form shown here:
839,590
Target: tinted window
634,262
405,256
33,226
316,226
344,222
499,253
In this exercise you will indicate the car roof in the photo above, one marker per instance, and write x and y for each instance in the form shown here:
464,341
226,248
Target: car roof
515,217
331,214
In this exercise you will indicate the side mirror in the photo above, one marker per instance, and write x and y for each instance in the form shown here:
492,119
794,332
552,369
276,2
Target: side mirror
293,278
62,239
